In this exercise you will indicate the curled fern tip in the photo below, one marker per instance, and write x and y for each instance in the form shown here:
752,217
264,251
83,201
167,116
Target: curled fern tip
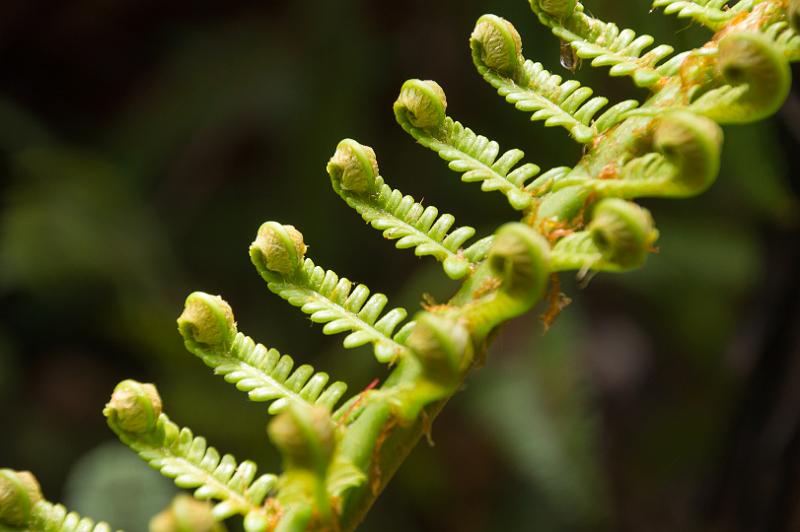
692,144
184,514
498,44
305,436
19,492
134,407
750,59
443,346
278,248
623,232
353,167
207,320
422,102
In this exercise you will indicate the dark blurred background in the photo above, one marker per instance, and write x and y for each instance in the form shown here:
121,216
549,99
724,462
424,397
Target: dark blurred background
142,144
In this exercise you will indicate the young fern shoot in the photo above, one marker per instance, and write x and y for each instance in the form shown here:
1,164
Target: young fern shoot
579,218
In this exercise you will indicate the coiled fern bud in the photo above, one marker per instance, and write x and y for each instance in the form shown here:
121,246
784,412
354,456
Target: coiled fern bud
749,58
354,167
186,514
498,43
134,407
208,321
623,232
423,103
557,8
19,492
442,345
305,436
519,257
278,248
691,143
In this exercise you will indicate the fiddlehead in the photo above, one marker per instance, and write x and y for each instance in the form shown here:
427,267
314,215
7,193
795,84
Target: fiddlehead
475,156
333,301
263,373
623,232
749,62
497,45
19,493
23,507
574,218
531,88
619,238
399,217
684,162
134,414
514,278
186,513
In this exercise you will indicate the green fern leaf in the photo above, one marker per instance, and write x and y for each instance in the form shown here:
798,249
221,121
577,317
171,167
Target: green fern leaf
209,331
472,155
566,104
188,459
335,302
606,45
49,517
403,219
266,375
709,13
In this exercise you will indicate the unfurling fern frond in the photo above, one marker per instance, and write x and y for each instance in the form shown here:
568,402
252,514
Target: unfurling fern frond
353,170
758,74
531,88
327,298
619,237
263,373
23,508
134,414
684,162
605,44
709,13
472,155
49,517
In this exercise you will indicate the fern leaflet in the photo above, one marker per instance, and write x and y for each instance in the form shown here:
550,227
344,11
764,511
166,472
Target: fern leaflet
709,13
403,219
566,104
606,45
178,454
266,375
333,301
476,157
49,517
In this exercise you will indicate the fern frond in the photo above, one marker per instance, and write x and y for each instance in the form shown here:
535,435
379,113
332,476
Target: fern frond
709,13
619,237
399,216
177,453
334,301
263,373
606,45
468,153
49,517
266,375
558,103
785,38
